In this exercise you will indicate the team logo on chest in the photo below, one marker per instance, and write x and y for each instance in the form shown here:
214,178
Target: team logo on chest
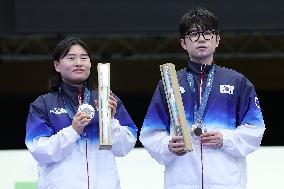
58,111
227,89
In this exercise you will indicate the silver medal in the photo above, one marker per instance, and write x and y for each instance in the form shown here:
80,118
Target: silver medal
198,129
88,109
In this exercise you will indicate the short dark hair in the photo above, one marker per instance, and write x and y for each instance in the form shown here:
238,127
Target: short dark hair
200,18
60,51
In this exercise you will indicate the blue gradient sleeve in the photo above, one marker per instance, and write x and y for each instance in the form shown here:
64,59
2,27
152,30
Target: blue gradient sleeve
249,111
37,124
124,118
157,116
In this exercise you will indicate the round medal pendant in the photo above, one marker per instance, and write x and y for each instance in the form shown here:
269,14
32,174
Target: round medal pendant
88,109
198,129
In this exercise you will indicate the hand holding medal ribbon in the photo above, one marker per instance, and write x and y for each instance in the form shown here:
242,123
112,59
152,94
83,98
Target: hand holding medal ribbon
84,113
80,121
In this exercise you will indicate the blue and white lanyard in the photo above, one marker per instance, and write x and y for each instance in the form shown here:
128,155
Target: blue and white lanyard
198,114
68,106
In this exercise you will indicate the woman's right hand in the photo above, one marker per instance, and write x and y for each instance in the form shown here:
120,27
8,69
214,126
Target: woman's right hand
80,121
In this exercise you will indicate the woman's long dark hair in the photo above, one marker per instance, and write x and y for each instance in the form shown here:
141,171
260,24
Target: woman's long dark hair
60,52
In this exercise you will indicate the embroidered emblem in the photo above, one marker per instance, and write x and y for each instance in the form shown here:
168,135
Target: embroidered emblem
181,89
58,111
227,89
256,102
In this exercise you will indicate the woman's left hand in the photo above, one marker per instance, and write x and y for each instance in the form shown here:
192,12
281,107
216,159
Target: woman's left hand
112,104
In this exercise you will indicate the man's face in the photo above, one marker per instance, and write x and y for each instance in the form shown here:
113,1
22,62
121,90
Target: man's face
200,45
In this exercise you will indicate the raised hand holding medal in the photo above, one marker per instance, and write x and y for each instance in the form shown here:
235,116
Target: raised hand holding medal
85,112
80,121
85,107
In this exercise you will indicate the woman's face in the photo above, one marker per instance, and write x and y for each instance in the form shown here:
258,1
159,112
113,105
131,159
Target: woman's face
75,66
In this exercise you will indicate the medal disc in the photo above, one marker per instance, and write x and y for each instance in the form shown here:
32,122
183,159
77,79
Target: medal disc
88,109
198,129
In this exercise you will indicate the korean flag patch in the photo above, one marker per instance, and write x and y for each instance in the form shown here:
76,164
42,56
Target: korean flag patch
227,89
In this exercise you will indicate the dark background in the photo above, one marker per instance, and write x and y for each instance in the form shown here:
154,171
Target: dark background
135,37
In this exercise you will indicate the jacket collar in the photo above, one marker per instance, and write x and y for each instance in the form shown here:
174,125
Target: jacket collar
70,90
197,68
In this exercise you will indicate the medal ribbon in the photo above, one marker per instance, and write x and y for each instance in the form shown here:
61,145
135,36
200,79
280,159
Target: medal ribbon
198,113
79,96
85,101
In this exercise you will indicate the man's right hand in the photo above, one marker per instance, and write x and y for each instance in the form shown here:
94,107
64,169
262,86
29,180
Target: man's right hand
176,145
